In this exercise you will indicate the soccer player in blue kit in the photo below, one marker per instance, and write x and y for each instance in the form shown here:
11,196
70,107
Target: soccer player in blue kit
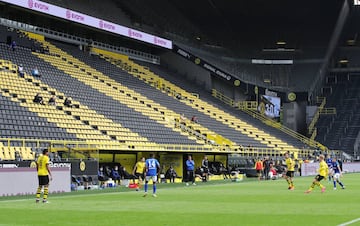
152,166
337,173
329,164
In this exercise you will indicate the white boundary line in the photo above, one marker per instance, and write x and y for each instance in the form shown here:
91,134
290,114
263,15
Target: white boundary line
100,193
350,222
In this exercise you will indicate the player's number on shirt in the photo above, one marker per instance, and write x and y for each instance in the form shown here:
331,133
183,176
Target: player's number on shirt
152,164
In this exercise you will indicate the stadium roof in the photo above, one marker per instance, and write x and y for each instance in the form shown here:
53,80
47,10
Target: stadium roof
251,20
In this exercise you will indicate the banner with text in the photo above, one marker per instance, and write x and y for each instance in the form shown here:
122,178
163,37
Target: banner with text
90,21
202,63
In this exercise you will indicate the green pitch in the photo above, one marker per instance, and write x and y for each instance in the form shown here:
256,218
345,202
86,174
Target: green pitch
212,204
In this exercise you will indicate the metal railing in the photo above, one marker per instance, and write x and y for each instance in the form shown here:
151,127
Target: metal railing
134,54
252,112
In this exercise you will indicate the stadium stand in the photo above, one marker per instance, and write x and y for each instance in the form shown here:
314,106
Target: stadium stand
339,131
142,103
241,132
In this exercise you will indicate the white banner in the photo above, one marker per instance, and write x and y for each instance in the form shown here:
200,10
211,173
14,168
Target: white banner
24,181
308,169
81,18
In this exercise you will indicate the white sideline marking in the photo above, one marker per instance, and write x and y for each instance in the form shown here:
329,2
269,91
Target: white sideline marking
94,194
350,222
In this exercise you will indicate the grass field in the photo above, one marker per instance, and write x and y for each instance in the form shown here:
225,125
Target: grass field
214,203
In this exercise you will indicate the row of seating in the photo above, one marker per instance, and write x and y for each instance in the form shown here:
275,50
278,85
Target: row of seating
16,153
117,91
215,113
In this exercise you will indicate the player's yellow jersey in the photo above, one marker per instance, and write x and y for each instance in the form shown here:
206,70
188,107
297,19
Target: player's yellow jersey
42,165
290,164
323,169
140,167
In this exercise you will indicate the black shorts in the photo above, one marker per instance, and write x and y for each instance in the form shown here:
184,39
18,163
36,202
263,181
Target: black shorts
140,175
290,173
319,177
43,180
258,171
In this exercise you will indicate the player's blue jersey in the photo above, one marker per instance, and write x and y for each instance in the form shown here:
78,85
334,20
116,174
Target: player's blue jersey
152,166
329,163
335,167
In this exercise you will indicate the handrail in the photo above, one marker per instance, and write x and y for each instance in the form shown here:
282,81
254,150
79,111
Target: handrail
316,115
270,122
222,97
71,145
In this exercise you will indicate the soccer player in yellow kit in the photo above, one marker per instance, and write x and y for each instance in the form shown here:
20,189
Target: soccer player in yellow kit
139,171
323,173
290,164
44,175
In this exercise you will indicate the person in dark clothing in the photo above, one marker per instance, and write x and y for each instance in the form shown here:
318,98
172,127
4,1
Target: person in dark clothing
38,99
67,102
205,167
171,174
115,175
13,45
102,177
52,100
267,167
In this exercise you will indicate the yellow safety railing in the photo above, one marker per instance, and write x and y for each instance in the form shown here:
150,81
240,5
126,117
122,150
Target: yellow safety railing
223,98
75,146
252,111
247,105
328,111
314,120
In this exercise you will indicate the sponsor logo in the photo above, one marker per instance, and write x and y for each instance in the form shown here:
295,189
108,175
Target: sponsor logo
106,26
134,34
68,14
33,164
10,165
74,16
270,93
218,72
59,164
82,166
30,4
36,5
159,41
292,96
183,53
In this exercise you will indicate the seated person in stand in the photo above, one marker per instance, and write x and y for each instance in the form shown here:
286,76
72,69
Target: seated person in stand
13,45
21,70
38,99
126,175
115,175
67,102
194,119
273,173
171,174
52,100
102,177
35,72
